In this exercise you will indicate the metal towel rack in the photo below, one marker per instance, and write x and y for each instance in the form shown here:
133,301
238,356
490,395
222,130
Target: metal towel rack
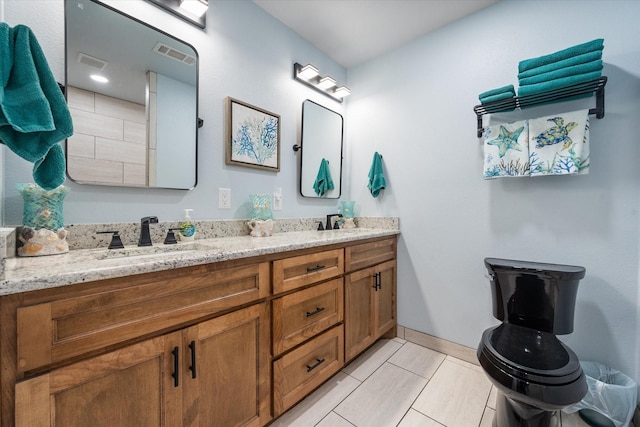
556,95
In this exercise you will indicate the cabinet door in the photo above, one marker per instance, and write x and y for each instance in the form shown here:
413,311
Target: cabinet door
230,383
132,386
385,298
359,314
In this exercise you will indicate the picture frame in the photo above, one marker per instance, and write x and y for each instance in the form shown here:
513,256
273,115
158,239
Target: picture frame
252,136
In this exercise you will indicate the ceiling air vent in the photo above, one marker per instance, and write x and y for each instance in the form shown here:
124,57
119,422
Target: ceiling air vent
172,53
85,59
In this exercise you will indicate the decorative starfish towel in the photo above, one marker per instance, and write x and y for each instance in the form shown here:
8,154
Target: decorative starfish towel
506,150
559,145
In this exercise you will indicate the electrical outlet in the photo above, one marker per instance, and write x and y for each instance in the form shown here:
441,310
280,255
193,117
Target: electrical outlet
277,200
224,198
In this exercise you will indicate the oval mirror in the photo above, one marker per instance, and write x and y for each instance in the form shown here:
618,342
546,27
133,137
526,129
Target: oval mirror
133,95
322,131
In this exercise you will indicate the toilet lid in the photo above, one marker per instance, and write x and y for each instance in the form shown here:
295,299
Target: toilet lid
530,354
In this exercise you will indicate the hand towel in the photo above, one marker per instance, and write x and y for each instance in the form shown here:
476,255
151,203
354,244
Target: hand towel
323,182
592,46
506,150
497,94
376,176
558,83
34,116
559,144
562,72
585,58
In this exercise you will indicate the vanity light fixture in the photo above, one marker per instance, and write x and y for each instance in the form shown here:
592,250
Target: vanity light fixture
326,83
310,76
197,7
192,11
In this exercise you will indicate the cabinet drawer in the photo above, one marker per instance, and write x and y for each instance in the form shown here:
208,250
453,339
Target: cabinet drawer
303,314
55,331
368,254
301,371
294,272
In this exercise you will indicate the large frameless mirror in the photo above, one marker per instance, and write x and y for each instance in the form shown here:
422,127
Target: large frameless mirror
133,95
322,132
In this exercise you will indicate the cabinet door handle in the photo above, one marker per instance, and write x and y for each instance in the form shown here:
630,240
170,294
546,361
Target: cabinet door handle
376,282
379,280
176,366
316,311
315,365
316,268
192,368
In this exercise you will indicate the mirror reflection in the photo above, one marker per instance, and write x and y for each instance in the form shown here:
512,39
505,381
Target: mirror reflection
322,131
133,93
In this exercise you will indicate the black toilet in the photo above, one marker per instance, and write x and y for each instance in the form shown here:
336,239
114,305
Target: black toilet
534,372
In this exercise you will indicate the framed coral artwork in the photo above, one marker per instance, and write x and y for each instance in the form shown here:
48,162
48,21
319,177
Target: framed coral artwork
253,136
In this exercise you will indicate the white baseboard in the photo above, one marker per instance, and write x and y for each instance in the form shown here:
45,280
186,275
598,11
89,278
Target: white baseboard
438,344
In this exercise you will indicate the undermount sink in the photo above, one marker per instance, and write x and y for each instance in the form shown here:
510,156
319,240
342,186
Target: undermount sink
150,251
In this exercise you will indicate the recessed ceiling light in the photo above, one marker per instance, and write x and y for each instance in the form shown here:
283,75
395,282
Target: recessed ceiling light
99,79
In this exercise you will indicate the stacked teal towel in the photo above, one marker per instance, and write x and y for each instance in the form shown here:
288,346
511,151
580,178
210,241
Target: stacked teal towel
323,182
34,116
498,94
577,64
376,176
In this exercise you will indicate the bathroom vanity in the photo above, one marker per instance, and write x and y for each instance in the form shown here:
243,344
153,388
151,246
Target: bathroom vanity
214,335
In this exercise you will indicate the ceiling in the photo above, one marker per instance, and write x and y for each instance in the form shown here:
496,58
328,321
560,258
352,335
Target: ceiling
354,31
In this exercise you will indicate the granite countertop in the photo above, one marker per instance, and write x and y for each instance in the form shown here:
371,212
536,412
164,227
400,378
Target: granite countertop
77,266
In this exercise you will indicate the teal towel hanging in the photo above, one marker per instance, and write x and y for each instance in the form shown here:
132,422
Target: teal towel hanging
323,182
376,176
34,116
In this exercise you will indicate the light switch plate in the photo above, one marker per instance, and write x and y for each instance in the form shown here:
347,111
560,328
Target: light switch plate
277,199
224,198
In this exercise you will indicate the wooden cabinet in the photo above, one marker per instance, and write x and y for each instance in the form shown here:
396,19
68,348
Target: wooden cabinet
233,343
215,373
130,386
370,295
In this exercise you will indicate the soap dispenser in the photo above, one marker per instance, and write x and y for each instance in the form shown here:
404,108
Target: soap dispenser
187,229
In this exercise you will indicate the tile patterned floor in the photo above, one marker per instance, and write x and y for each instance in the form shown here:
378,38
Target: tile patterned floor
399,383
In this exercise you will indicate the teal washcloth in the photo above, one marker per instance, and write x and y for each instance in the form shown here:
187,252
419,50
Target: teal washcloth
558,83
585,58
376,176
323,182
497,97
502,92
34,116
593,45
563,72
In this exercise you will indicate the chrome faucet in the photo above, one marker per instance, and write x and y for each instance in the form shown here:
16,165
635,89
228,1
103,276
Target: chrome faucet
145,236
335,224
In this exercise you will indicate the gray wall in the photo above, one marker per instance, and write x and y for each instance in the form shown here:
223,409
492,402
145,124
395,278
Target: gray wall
244,53
415,106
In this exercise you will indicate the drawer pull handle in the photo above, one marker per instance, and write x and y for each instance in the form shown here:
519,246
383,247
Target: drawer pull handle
316,268
176,366
315,365
192,368
317,310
